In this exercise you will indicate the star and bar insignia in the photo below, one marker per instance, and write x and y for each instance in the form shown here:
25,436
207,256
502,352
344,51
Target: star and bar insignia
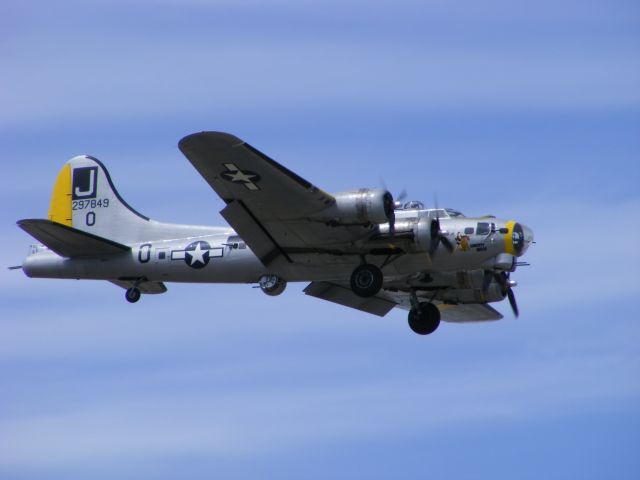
196,254
235,175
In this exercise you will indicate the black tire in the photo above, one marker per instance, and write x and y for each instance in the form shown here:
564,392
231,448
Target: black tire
132,295
366,280
426,320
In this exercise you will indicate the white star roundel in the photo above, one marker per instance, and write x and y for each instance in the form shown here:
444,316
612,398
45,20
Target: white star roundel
197,254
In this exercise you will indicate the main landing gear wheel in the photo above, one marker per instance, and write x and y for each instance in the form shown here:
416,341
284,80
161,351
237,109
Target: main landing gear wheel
366,280
424,320
133,295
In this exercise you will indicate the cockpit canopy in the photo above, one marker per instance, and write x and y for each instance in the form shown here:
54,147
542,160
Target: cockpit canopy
411,205
439,212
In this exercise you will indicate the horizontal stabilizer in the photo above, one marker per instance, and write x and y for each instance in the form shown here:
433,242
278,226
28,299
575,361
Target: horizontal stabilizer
70,242
345,296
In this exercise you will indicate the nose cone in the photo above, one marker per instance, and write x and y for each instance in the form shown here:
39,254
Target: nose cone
528,234
528,237
517,238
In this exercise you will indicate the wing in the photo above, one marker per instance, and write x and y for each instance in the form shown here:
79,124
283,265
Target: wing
460,313
237,171
267,204
385,301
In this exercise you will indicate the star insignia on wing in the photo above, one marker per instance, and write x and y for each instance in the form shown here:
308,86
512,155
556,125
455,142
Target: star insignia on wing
235,175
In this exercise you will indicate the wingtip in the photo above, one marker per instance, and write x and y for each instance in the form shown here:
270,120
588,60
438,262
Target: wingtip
210,138
24,223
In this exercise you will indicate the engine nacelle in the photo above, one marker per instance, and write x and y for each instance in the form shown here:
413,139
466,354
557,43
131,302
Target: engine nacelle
366,206
503,261
422,234
272,285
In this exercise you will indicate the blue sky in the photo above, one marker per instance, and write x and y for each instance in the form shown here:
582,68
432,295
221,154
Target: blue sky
527,111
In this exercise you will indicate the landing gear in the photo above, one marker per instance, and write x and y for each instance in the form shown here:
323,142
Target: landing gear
424,319
366,280
132,295
272,285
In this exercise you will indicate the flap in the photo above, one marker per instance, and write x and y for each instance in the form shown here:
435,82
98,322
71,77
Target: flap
70,242
253,232
345,296
469,312
144,286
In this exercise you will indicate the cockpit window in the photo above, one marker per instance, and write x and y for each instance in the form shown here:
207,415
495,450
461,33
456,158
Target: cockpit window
454,213
413,205
483,228
439,213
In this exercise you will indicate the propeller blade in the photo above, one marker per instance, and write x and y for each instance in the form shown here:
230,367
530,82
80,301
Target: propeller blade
397,198
447,243
434,233
512,302
437,237
502,278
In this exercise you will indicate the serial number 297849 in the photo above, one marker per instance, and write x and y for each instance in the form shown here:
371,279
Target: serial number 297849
93,203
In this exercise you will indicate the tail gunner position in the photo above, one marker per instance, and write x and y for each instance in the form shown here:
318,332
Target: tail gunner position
357,248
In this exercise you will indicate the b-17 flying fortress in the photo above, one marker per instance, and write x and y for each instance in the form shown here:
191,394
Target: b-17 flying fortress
358,248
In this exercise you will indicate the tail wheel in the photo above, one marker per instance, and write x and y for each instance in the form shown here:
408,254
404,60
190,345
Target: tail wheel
366,280
132,295
425,319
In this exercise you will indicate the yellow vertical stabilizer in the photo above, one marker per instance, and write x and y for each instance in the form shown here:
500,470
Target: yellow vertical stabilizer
60,206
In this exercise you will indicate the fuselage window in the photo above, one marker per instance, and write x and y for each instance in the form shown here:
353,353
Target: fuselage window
468,231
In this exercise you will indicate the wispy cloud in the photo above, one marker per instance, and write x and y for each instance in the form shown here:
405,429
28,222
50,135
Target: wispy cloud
222,423
97,72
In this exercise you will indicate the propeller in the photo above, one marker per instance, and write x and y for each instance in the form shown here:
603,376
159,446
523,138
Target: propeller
512,302
392,202
505,285
396,198
401,196
438,235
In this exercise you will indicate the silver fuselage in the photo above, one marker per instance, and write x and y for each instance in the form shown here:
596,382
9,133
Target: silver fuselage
230,260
